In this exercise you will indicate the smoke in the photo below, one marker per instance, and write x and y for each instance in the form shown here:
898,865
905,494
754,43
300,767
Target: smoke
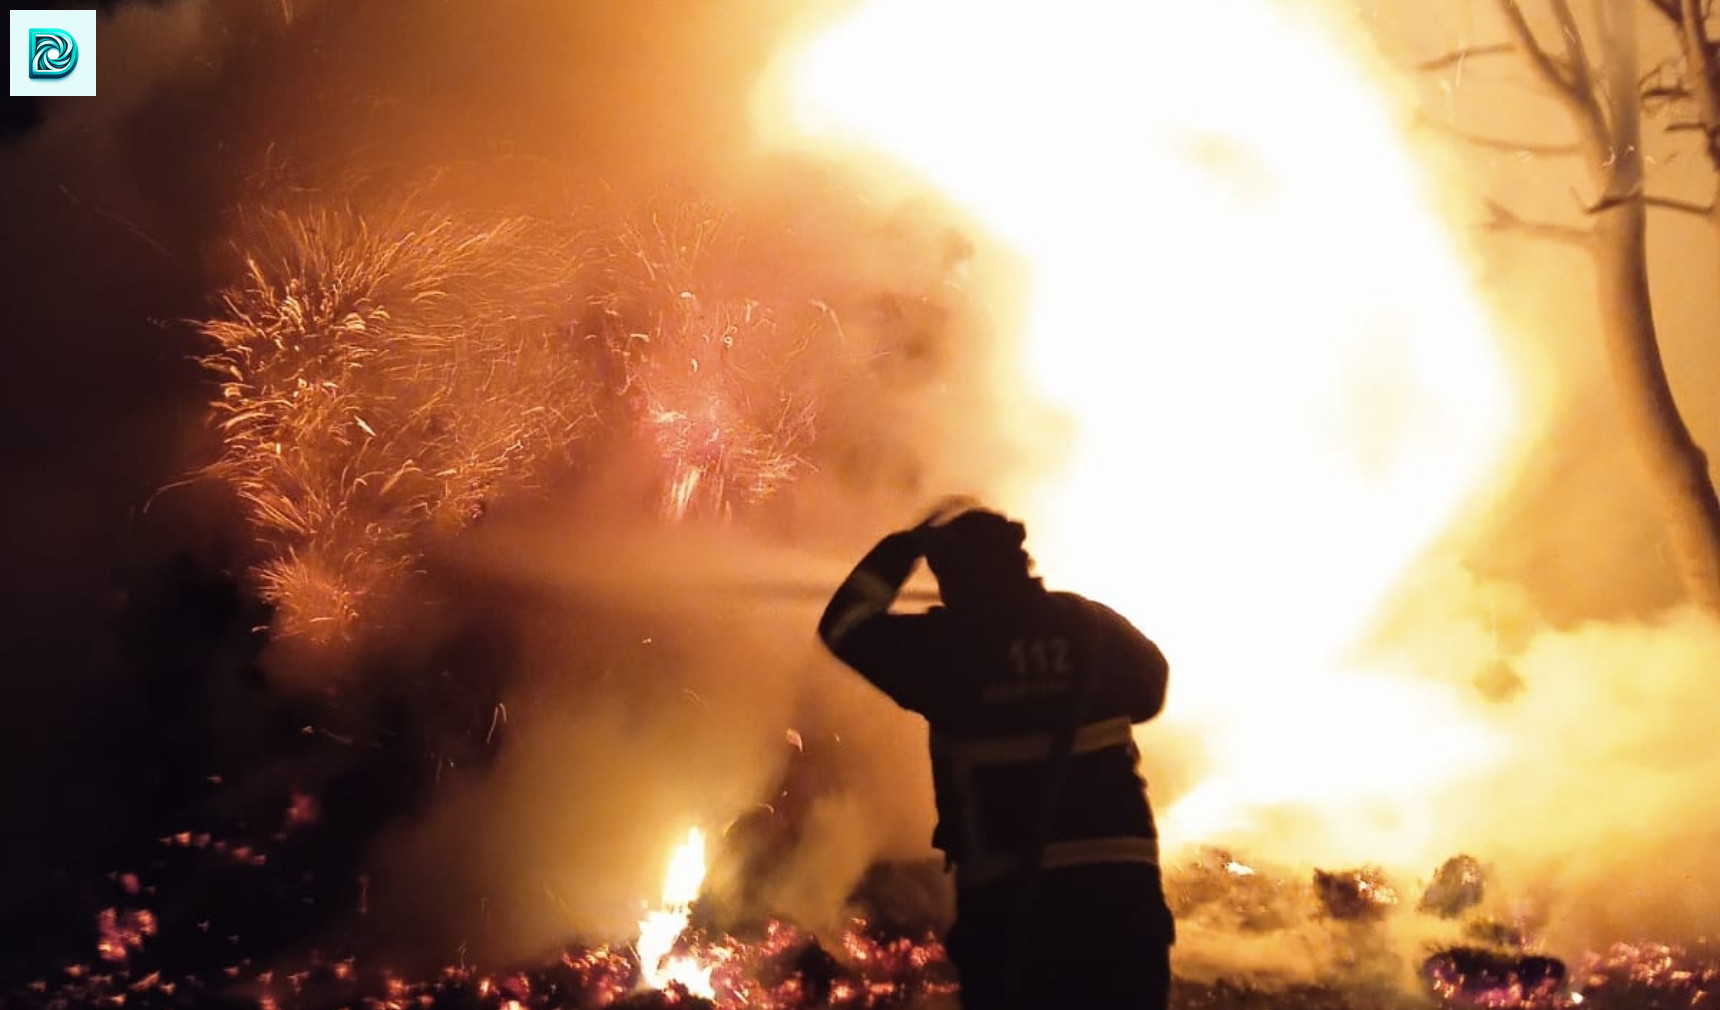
1556,606
1593,821
614,683
1596,816
661,673
1614,723
626,706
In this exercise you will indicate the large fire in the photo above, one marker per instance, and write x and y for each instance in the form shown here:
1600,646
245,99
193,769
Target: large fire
1282,384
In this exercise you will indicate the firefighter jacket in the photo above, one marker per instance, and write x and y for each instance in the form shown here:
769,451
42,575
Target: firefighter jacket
1030,705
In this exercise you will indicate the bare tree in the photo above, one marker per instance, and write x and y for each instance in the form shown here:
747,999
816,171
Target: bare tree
1604,100
1688,86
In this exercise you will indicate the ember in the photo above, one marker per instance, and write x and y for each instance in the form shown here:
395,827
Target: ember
1651,976
123,932
780,967
1471,976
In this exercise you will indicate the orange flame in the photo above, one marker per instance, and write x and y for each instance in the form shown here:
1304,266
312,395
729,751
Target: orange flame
1282,383
658,966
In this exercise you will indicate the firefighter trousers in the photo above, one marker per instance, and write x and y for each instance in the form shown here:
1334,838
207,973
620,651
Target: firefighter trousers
1098,938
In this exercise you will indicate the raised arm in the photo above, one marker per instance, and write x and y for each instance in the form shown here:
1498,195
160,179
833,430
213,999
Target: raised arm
873,585
868,592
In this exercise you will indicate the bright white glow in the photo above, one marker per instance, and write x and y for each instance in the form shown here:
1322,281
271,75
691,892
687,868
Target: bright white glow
659,930
1282,383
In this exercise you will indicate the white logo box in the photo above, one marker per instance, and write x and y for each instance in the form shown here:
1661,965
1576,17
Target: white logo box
79,25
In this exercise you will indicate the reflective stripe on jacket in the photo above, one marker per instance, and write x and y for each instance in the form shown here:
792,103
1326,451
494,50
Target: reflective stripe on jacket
991,795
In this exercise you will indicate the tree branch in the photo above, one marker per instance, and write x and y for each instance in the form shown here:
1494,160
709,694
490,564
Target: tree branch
1671,93
1654,73
1702,73
1575,55
1666,7
1503,219
1524,41
1569,89
1539,150
1695,19
1682,206
1648,200
1458,56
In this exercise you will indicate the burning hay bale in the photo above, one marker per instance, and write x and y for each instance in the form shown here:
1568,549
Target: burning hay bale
381,378
1480,977
1355,895
1218,888
1353,916
1457,886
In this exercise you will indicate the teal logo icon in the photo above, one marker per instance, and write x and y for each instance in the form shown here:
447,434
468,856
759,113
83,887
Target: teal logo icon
53,53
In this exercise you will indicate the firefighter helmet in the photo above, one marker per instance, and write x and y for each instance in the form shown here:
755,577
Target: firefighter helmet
978,544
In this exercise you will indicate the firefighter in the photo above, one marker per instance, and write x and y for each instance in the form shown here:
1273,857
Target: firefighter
1030,696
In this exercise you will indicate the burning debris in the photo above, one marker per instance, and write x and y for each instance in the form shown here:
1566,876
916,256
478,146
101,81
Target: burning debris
1458,885
1651,976
122,933
1492,967
659,966
1215,886
1355,895
775,965
1477,977
778,966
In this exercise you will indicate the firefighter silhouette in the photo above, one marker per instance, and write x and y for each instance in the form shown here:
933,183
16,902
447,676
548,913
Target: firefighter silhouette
1031,696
